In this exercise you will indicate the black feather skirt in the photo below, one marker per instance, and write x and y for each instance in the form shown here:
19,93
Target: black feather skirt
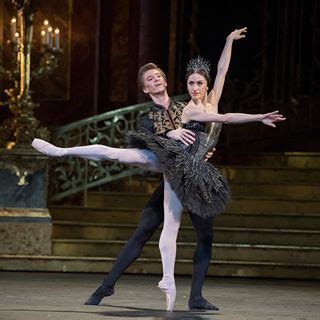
200,186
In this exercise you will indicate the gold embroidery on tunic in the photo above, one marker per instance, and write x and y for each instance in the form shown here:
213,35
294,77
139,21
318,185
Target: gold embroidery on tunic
161,119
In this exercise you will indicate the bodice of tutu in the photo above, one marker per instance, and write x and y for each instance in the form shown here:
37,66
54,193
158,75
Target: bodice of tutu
206,137
195,126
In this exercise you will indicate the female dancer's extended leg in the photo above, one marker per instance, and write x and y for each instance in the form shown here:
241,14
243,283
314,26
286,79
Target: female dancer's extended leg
147,160
167,243
143,158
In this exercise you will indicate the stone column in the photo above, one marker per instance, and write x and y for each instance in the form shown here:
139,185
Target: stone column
25,222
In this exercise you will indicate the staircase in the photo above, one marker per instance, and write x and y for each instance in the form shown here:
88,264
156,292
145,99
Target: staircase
270,229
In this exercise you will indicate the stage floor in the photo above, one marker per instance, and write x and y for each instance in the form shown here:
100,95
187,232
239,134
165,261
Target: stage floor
58,296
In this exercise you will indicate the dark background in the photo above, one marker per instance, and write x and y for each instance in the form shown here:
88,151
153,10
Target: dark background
275,67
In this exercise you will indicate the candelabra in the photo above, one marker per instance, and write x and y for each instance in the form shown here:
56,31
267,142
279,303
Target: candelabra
18,131
23,171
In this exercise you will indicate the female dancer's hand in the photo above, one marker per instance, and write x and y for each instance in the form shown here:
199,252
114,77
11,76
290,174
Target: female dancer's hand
237,34
269,119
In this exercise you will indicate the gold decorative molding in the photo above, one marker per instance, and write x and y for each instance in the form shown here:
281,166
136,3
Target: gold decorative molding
23,212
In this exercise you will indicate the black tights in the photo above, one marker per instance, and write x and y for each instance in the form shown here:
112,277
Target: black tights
151,219
202,254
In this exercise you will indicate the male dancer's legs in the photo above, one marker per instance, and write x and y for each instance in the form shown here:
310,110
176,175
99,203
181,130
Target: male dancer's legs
151,219
201,261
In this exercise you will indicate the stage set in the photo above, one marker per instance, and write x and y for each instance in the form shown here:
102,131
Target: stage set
87,233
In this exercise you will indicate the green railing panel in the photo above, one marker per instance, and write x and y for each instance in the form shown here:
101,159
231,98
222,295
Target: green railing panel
70,175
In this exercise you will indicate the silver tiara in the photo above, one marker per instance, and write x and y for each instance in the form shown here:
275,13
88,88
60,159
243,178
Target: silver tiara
198,63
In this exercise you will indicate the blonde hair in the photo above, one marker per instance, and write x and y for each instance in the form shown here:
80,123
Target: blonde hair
146,67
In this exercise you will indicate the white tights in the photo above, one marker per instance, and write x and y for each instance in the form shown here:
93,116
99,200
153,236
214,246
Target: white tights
142,158
168,239
147,160
168,243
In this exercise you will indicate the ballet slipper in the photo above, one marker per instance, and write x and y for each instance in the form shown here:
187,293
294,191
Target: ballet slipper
99,294
201,303
169,289
47,148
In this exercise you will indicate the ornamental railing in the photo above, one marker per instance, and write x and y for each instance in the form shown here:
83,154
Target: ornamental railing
70,175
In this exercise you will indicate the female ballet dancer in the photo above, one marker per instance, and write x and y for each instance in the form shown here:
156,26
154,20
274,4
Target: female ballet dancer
197,84
197,184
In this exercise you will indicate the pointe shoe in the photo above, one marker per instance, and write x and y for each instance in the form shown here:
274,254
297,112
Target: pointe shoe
47,148
169,289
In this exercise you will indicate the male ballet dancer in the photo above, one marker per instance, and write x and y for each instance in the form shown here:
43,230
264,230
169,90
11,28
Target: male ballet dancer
164,118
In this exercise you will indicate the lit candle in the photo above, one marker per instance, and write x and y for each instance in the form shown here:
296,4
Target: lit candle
43,37
13,28
46,24
50,37
16,37
57,38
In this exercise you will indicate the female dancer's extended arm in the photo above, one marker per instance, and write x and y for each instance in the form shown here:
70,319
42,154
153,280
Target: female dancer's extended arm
196,114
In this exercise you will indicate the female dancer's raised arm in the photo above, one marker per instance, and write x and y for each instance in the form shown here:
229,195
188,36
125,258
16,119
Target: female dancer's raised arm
222,68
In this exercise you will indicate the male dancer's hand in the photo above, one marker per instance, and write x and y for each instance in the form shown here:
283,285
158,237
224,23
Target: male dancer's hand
210,154
186,136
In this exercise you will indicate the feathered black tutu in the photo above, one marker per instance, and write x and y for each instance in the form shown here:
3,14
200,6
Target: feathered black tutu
198,184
